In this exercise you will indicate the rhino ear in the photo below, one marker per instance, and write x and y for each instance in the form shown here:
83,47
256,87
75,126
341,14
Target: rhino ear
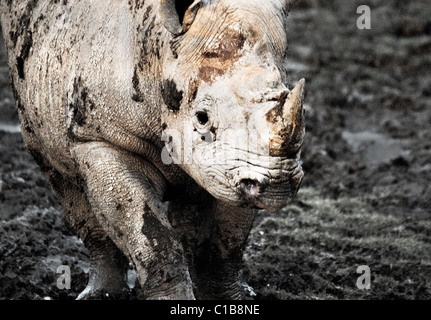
178,15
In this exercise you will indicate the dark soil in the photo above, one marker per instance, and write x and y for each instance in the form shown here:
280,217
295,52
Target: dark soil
366,195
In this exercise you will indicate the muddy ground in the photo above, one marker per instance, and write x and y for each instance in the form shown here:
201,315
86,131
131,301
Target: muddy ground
366,195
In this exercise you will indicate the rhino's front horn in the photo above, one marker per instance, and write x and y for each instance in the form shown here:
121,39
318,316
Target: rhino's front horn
287,123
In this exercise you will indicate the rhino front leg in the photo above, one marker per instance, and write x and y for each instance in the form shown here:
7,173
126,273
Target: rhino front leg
125,193
108,265
218,259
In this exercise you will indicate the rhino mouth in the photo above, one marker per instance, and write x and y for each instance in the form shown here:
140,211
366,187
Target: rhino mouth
251,191
266,188
271,197
249,179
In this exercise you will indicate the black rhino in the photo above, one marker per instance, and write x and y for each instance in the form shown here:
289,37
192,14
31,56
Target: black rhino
162,127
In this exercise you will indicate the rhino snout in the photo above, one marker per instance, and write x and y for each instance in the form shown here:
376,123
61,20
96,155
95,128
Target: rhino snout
251,192
272,194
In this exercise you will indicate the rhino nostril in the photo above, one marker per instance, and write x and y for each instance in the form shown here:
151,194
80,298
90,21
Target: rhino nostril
250,188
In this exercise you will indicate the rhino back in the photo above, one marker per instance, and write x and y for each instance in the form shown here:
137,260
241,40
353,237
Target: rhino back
74,72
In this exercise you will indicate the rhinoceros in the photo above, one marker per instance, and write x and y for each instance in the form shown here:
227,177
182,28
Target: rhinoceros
163,127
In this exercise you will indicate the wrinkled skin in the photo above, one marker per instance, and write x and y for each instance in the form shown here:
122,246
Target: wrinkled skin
162,128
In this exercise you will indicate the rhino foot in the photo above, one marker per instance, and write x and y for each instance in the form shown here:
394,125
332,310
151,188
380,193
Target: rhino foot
107,280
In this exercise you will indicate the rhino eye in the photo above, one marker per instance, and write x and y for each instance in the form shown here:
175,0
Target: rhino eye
202,117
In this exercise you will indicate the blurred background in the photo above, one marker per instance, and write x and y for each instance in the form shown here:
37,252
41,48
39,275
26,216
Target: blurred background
366,195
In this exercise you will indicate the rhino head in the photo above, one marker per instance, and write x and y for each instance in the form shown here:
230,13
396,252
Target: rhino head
229,120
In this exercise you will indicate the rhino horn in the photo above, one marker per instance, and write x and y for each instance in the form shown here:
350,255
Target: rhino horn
293,108
288,123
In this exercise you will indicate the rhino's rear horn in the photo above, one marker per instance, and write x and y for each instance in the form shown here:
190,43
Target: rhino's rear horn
178,15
